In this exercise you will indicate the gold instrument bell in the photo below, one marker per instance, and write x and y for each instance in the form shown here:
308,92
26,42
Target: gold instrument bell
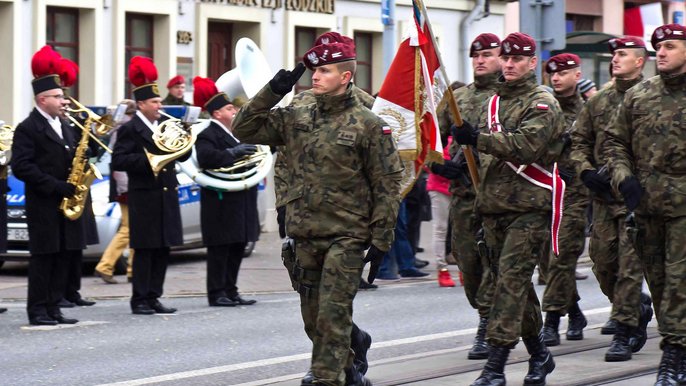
6,136
174,138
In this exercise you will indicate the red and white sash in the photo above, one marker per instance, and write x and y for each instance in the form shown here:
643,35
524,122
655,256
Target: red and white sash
535,174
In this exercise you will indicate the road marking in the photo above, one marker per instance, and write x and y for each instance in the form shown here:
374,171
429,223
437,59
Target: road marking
306,356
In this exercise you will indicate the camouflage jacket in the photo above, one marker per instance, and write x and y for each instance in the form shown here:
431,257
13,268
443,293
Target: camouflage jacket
532,121
575,191
281,166
647,139
171,100
472,100
344,168
590,129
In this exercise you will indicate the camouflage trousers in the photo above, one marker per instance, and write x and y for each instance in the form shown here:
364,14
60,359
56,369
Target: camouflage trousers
327,310
560,291
661,248
478,284
615,262
515,239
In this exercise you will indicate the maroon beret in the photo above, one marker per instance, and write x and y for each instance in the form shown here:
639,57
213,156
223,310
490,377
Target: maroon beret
561,62
668,32
179,79
625,42
324,54
518,43
485,41
332,37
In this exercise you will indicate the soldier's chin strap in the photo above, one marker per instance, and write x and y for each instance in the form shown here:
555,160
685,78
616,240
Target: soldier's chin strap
537,175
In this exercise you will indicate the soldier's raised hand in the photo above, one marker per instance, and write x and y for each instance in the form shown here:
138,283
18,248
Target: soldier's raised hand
282,83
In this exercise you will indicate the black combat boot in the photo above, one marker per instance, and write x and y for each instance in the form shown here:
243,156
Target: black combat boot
360,343
551,335
494,370
541,362
668,372
480,348
639,335
681,377
308,379
353,377
609,328
576,323
619,350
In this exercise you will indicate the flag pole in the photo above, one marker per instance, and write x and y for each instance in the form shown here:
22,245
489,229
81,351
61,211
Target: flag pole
454,110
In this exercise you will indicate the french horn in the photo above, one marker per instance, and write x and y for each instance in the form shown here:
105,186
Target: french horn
6,136
174,138
252,72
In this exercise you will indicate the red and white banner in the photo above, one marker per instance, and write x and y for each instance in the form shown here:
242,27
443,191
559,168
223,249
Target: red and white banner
641,21
536,175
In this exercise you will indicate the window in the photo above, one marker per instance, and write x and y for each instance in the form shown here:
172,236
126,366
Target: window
363,48
62,34
304,39
139,42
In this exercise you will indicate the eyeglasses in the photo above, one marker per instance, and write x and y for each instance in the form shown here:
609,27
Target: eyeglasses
58,96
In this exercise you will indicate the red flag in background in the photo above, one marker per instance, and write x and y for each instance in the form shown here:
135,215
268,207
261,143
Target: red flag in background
408,98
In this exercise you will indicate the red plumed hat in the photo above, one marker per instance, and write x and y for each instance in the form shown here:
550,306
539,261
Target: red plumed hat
143,74
207,96
68,72
45,68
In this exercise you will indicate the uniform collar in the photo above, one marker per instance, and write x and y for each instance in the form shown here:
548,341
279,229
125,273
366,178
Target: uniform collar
48,117
572,102
151,125
624,84
487,81
335,103
225,129
677,81
517,87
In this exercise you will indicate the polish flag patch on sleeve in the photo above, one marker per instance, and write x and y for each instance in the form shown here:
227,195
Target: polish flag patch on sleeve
386,130
542,106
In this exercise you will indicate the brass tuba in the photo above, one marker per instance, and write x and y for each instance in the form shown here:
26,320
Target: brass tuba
6,136
174,138
252,72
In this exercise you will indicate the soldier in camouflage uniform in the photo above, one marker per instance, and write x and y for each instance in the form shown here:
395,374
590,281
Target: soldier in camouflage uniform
465,222
343,196
524,121
560,294
646,144
360,340
615,263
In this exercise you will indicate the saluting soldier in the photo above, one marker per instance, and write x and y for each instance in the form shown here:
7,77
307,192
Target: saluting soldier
155,218
561,295
515,201
646,145
42,151
228,220
465,222
344,192
615,262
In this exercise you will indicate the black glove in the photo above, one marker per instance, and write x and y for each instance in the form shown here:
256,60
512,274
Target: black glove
598,183
566,175
566,140
465,134
282,83
242,150
631,191
450,170
375,256
65,189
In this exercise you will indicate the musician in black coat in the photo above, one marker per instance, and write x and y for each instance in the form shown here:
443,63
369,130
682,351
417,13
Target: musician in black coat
42,151
228,220
3,213
155,218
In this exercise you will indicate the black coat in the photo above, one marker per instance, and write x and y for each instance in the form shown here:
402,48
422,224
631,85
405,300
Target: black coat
3,209
41,158
226,217
154,215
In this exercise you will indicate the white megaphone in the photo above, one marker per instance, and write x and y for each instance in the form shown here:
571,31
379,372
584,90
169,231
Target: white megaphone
251,73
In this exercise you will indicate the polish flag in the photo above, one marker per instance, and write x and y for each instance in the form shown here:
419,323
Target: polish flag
641,21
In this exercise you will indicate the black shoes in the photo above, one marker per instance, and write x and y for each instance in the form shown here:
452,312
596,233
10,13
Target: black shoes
639,335
360,345
551,334
83,302
42,320
419,263
353,377
493,373
366,286
222,302
161,309
64,303
619,350
668,372
61,319
609,328
541,362
142,309
480,349
242,302
3,310
576,323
